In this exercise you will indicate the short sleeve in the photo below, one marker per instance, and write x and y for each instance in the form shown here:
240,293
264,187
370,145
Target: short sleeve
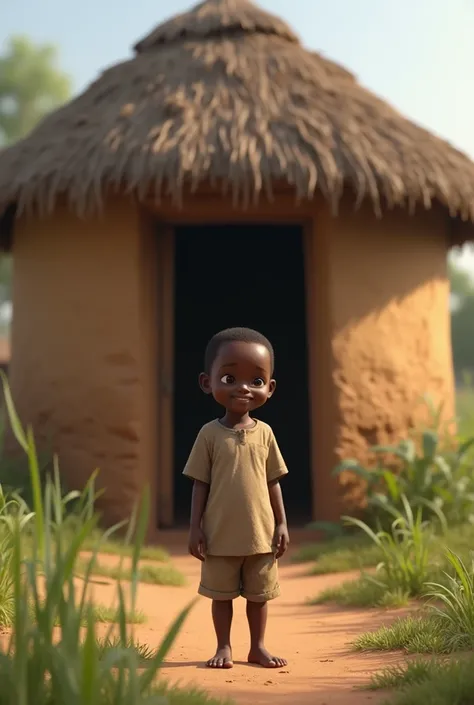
276,467
198,466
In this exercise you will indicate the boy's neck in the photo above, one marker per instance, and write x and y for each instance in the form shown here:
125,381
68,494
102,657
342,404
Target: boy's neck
236,421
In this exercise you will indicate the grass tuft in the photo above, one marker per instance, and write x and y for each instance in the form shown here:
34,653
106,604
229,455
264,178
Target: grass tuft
161,575
362,592
322,550
144,652
421,634
402,675
346,559
187,696
355,552
149,553
449,683
165,574
111,615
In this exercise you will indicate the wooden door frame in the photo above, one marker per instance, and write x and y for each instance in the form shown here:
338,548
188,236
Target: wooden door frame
165,374
166,321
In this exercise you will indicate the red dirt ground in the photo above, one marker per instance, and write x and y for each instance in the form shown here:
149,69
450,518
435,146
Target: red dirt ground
322,669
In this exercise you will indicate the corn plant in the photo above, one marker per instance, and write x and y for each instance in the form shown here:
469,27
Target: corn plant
404,549
51,658
457,598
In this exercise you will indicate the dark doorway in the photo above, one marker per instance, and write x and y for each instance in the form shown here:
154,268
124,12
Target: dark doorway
253,276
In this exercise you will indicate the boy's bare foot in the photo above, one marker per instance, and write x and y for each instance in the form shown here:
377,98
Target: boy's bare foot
261,657
222,659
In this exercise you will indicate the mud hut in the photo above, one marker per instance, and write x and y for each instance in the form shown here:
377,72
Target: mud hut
222,176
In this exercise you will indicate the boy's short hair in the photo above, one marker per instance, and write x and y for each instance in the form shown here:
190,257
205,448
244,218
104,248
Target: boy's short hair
231,335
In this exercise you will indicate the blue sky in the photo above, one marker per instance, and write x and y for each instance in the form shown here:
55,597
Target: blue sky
417,54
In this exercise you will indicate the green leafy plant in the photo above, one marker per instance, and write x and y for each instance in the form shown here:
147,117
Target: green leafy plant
431,475
404,549
50,658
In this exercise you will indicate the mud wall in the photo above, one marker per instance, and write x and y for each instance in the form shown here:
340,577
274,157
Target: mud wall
77,369
391,345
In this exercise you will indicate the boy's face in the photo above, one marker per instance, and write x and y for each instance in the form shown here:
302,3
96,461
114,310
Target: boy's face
241,377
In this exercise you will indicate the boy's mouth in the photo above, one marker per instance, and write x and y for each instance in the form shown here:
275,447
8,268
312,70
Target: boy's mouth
246,399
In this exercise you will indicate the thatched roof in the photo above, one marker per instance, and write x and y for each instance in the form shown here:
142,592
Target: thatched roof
226,94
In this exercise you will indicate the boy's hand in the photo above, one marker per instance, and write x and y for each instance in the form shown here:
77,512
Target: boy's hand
197,544
281,540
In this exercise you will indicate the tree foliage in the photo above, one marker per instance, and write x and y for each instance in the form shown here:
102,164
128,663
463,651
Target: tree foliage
31,85
462,284
462,319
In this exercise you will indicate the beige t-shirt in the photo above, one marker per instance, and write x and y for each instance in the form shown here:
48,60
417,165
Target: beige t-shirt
238,465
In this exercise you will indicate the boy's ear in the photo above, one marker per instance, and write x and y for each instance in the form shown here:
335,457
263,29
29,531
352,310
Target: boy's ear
271,388
205,383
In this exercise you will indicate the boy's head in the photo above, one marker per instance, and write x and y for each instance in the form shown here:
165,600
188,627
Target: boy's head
238,369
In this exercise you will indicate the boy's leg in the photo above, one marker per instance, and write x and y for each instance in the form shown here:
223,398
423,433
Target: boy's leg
222,613
260,582
220,581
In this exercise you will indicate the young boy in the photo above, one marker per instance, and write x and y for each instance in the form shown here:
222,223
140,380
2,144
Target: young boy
238,523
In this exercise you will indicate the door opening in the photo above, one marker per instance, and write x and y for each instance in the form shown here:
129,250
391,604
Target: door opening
252,276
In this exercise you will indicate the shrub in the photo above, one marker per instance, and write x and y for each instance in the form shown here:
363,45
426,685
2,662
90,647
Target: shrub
431,474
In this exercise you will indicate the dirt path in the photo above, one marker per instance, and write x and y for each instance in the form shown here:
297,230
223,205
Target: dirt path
322,670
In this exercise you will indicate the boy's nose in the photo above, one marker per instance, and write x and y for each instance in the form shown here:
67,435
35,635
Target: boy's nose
243,387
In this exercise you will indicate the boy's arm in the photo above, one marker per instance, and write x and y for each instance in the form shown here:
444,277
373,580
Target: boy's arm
197,540
282,537
198,469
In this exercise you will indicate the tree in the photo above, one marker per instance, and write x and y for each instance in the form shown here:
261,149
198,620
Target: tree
461,281
31,85
462,318
462,327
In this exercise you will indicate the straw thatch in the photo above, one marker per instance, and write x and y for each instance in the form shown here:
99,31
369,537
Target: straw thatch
225,94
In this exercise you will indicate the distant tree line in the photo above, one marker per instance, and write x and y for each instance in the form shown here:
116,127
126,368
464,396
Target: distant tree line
462,320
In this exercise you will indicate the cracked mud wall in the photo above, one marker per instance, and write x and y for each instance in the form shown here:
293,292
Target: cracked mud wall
389,302
77,369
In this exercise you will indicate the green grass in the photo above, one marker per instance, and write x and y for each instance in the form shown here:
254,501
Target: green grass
362,592
151,574
187,696
346,559
422,634
111,615
345,546
429,683
403,675
150,553
356,552
143,651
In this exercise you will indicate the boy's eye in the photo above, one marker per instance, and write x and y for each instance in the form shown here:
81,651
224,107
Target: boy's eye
259,382
228,379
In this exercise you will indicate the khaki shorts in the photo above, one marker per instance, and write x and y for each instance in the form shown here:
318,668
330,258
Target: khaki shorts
229,577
